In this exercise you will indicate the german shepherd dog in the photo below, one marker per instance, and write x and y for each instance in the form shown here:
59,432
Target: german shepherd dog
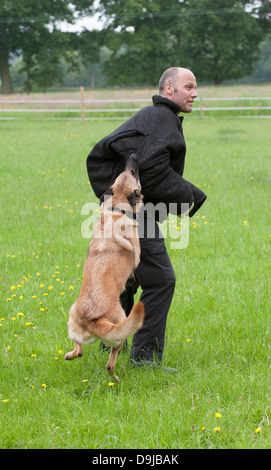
113,255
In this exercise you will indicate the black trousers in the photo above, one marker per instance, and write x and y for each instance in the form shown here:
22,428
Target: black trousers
156,277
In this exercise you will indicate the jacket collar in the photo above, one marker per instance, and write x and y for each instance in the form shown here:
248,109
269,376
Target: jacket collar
157,99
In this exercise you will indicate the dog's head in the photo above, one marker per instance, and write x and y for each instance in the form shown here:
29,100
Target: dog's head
126,187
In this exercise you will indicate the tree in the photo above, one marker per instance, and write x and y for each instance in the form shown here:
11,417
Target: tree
41,54
32,29
218,40
262,71
262,10
138,34
220,43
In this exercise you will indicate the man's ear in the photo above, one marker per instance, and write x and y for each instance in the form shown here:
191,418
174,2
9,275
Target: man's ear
106,194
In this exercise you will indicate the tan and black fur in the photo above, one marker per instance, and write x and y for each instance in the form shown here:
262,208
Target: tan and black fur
113,255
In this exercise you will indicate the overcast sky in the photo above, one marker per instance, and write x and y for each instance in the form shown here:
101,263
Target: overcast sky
92,22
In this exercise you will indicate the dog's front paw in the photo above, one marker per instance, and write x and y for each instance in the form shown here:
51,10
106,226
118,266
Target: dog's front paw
69,356
77,352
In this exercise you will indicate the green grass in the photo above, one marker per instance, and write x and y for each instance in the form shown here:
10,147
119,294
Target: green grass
218,331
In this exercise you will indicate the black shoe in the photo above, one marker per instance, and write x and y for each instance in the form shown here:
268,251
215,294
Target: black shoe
153,365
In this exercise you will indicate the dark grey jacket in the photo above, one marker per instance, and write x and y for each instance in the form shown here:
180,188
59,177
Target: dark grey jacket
155,135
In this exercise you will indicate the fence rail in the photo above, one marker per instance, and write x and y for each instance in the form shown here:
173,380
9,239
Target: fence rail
60,106
135,100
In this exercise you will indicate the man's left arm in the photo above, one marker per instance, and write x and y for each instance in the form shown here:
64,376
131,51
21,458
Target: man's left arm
199,198
160,183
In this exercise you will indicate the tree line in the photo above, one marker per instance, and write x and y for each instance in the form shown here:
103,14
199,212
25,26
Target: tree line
218,39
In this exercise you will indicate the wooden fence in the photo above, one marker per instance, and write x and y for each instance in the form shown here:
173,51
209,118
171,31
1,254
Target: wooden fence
104,112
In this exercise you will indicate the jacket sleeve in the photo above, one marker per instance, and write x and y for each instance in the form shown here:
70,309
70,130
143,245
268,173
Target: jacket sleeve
160,183
107,158
199,198
102,168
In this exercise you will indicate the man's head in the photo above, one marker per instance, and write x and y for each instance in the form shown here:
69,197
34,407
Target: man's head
179,85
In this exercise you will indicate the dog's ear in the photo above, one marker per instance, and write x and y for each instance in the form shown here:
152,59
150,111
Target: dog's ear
106,194
133,198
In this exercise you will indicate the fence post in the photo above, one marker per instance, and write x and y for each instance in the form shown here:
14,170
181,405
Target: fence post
82,103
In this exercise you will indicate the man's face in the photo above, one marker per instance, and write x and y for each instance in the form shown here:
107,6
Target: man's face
184,91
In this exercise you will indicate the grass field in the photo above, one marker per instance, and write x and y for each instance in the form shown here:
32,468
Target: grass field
219,327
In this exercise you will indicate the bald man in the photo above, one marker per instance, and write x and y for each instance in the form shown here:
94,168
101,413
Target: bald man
179,85
155,134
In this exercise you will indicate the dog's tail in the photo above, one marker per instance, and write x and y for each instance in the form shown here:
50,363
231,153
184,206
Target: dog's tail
113,334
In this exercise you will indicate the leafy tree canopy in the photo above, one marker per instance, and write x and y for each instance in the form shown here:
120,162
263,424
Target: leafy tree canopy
31,28
218,40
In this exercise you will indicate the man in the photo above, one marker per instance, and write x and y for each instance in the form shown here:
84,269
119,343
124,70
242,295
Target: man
155,135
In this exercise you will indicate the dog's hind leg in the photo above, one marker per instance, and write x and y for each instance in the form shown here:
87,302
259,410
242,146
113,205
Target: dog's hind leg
77,352
110,366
